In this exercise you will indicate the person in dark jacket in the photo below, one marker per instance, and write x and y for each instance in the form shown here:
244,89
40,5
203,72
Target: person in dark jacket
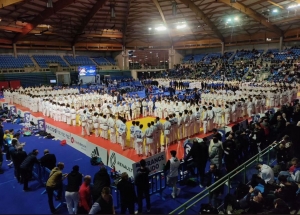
280,207
104,204
287,190
127,194
142,185
213,175
18,157
27,166
48,160
1,136
199,153
217,134
1,161
253,204
74,182
230,155
101,180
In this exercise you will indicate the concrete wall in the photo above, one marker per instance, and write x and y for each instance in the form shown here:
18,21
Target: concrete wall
178,56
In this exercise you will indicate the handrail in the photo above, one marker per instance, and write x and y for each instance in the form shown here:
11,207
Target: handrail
197,198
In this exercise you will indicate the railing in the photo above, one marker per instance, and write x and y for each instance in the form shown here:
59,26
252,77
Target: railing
264,155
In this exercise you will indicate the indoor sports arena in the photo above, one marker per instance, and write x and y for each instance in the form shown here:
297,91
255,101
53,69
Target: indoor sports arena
150,107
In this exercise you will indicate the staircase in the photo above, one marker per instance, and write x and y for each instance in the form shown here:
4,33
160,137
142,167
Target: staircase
232,56
36,66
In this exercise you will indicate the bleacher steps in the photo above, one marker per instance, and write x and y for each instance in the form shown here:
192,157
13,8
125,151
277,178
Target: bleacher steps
35,63
94,62
108,61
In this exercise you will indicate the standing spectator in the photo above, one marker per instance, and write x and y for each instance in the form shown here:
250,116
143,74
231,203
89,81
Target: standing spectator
127,194
101,180
142,185
212,176
1,161
229,147
216,153
173,166
48,160
27,166
72,197
55,183
18,157
17,137
104,204
199,153
1,136
85,196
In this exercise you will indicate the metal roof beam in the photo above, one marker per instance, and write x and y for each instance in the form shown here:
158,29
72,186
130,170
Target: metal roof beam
99,4
203,16
5,3
46,14
254,15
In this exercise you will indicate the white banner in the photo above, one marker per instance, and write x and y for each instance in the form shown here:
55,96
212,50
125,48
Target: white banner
120,162
51,129
93,150
155,163
78,143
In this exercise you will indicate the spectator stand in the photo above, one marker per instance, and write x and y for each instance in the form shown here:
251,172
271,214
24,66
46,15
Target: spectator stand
242,170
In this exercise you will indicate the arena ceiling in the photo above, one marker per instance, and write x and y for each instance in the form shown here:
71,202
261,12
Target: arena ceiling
111,24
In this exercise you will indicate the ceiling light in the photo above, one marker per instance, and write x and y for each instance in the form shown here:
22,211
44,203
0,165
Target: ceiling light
150,29
293,6
275,10
161,28
229,20
181,26
49,4
236,18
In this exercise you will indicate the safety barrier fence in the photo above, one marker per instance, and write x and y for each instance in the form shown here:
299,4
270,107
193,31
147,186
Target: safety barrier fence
157,183
238,174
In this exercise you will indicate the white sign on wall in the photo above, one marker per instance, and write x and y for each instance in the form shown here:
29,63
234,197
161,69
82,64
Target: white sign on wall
155,163
120,162
78,143
93,150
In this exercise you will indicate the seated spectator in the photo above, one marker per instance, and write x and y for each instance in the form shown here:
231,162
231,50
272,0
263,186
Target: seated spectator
264,177
287,190
280,207
293,173
253,202
48,160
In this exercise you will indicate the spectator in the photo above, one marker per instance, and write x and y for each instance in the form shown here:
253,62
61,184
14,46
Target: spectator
48,160
104,204
212,176
172,166
253,203
216,153
229,147
101,180
142,185
217,134
55,183
127,194
11,150
85,196
72,197
1,136
1,161
18,157
287,190
280,207
265,176
17,137
199,153
26,168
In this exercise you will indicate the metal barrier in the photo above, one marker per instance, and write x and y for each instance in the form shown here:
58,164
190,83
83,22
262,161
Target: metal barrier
227,179
157,183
